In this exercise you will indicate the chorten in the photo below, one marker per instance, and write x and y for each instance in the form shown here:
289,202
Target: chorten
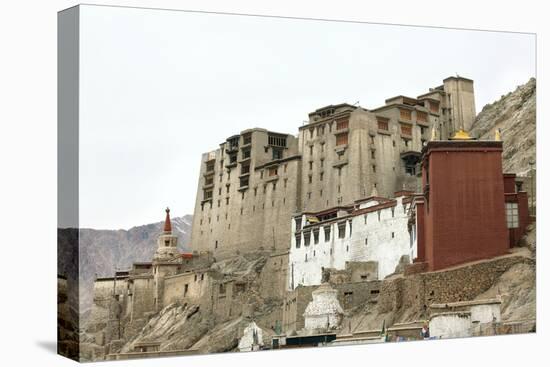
167,243
324,311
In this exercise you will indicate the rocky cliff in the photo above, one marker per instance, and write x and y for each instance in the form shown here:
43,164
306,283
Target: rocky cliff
514,114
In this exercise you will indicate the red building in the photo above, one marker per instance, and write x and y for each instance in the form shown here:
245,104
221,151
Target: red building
470,210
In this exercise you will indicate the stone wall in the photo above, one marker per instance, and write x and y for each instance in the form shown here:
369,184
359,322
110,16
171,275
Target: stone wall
415,293
238,219
189,287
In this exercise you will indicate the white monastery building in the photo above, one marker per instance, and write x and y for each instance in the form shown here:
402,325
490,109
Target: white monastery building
374,230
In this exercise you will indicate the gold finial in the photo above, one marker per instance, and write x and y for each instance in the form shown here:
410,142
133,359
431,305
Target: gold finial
461,135
433,133
497,135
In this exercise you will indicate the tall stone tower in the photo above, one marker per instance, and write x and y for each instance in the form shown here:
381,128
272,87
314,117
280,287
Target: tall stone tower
166,260
460,102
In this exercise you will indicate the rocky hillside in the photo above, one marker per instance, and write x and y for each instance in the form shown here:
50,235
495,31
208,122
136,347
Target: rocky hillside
514,114
103,251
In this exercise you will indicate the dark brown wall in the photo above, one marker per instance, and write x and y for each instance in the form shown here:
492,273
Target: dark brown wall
464,214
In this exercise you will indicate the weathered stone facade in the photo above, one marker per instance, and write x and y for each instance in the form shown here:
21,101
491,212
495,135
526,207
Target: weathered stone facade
250,187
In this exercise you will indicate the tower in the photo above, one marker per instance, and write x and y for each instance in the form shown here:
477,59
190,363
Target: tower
460,102
166,260
462,217
167,243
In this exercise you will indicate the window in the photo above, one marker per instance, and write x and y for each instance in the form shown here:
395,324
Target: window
434,106
383,124
321,176
341,139
315,236
226,201
209,181
272,171
276,140
207,194
310,165
366,241
298,240
365,217
222,288
341,230
232,158
393,235
244,182
274,186
512,215
246,153
373,168
210,166
421,116
298,222
406,129
311,150
186,288
307,236
327,233
373,154
245,169
166,243
404,114
277,153
342,124
320,130
350,228
247,139
310,178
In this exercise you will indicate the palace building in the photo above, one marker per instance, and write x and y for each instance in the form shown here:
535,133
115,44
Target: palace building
250,187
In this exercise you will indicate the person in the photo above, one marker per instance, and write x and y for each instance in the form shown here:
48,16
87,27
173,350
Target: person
425,331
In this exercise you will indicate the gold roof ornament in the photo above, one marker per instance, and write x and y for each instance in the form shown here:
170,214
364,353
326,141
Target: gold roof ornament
312,219
433,133
462,135
497,135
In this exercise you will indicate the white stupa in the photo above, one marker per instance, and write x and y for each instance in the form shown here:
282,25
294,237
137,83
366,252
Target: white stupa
324,311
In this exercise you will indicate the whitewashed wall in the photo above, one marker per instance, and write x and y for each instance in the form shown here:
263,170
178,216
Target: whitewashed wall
451,325
306,262
485,313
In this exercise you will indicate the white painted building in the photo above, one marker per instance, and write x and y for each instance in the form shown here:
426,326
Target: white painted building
456,324
460,319
374,229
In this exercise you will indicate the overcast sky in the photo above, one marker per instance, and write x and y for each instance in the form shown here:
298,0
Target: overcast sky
158,88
